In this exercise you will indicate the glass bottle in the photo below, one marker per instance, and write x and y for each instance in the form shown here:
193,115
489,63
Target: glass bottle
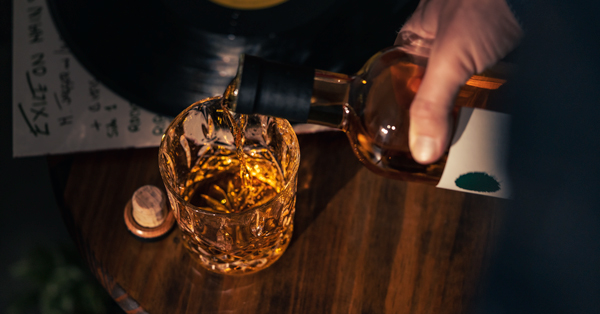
372,106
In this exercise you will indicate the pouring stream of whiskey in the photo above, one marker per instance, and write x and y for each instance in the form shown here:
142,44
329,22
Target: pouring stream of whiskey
237,130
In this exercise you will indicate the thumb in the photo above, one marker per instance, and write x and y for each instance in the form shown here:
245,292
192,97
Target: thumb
430,122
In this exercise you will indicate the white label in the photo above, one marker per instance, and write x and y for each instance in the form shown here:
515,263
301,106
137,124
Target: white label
477,158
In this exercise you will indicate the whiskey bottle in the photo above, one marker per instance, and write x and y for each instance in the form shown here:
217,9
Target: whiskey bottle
372,108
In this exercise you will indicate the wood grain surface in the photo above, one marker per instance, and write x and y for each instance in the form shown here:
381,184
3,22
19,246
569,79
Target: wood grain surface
361,244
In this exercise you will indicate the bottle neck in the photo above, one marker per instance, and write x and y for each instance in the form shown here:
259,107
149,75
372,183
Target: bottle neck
295,93
329,96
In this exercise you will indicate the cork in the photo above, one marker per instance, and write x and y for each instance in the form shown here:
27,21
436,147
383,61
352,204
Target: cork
147,215
149,206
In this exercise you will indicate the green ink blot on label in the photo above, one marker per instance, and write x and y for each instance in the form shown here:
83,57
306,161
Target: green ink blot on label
478,181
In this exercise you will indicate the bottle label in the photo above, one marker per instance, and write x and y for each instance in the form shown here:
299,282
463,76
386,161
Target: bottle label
477,158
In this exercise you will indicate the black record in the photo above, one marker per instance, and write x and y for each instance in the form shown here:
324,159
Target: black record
166,54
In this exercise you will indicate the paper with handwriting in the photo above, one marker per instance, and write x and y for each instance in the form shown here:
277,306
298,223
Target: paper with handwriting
58,107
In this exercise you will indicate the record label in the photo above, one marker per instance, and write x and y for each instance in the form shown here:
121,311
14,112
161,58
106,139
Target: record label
248,4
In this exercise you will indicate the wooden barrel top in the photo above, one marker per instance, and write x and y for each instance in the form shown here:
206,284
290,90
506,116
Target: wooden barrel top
361,243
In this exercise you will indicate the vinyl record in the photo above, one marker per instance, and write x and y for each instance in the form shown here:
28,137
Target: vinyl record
166,54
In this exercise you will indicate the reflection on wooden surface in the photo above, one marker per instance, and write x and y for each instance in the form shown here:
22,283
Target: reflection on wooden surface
362,243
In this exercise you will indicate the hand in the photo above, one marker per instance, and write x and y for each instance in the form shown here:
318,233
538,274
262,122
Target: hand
468,36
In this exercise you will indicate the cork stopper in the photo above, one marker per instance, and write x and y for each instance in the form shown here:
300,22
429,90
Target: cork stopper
146,214
149,206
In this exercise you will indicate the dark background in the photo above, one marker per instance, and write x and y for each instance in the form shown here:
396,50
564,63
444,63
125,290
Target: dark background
29,215
30,220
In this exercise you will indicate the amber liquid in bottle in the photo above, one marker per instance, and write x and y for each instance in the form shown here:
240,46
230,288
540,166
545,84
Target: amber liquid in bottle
375,106
379,135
